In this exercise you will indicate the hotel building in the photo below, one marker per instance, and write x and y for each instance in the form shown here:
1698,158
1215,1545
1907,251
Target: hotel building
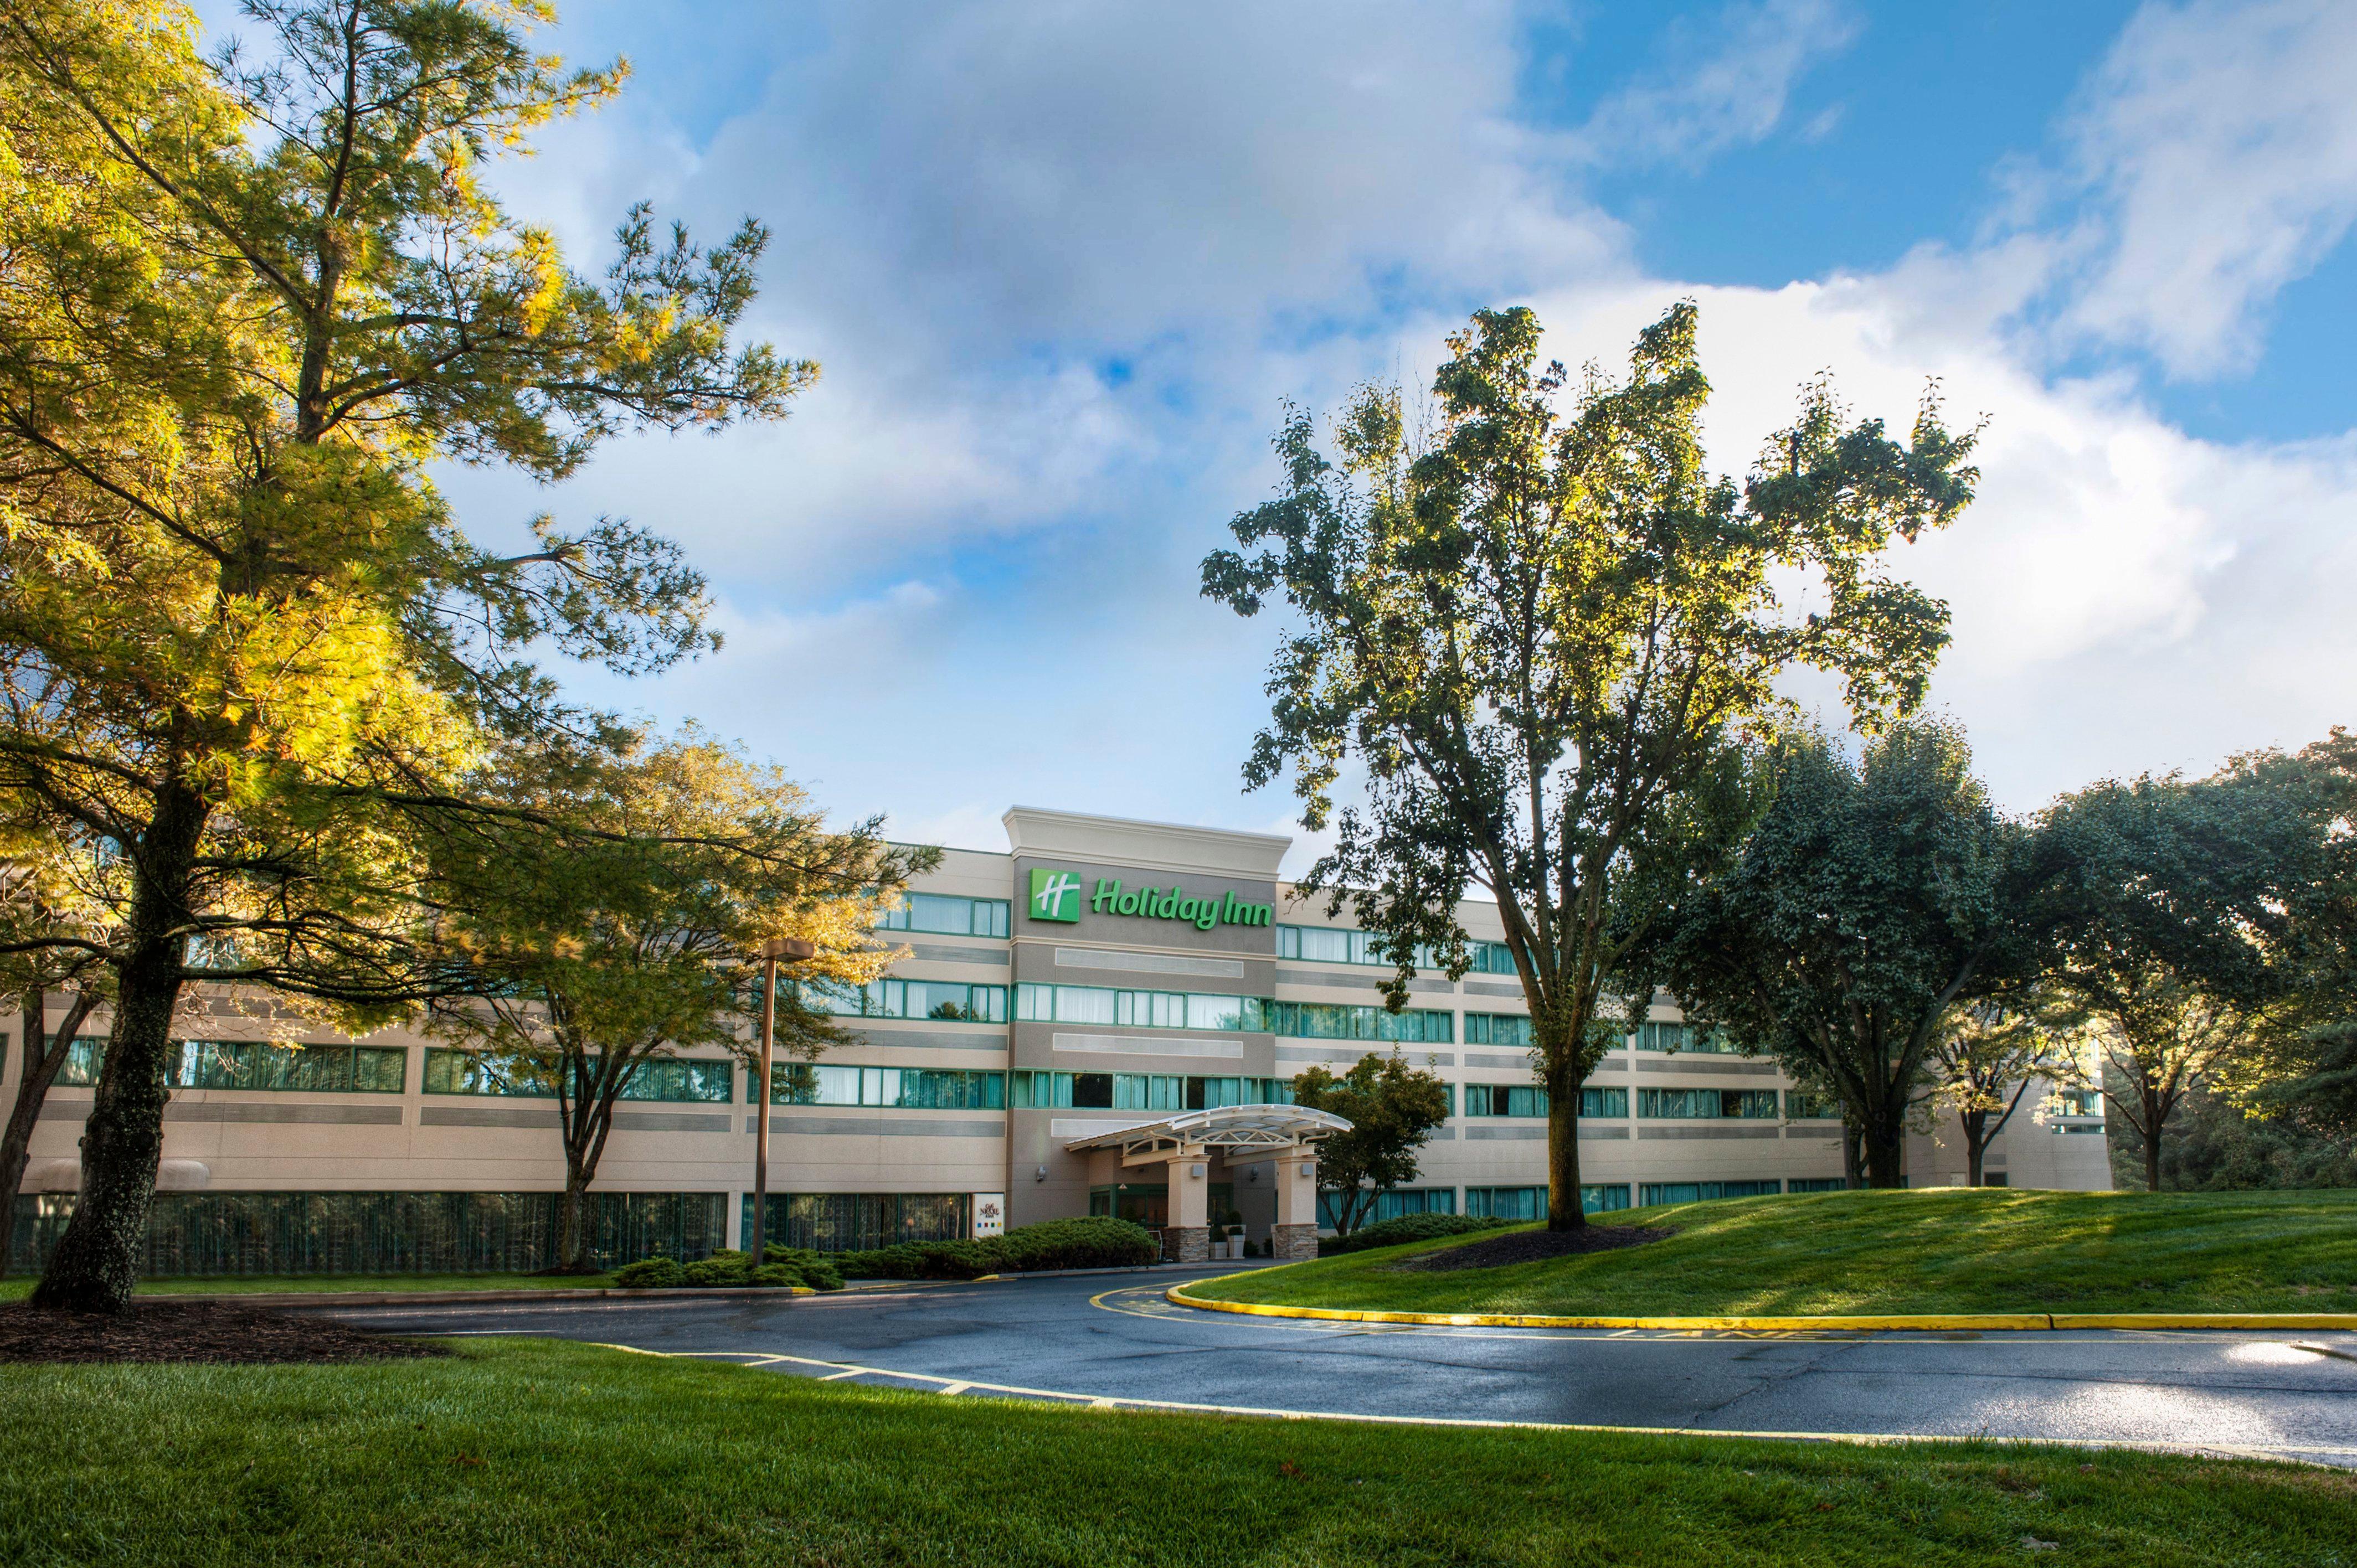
1099,1020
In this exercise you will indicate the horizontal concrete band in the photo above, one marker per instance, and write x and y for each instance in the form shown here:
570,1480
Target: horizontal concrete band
942,952
932,1039
364,1114
1146,1045
1897,1322
883,1127
1694,1067
1150,963
545,1116
1714,1131
1517,1131
1349,1052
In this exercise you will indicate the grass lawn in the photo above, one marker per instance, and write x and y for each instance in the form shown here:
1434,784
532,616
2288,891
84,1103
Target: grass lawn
536,1453
1985,1250
15,1287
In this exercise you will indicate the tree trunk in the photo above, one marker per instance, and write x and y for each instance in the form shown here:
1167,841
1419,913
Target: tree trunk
1886,1157
42,1063
97,1261
1973,1124
1564,1209
2153,1113
572,1235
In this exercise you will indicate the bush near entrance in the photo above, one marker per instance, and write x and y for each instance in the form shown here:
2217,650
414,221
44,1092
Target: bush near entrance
1401,1228
1097,1242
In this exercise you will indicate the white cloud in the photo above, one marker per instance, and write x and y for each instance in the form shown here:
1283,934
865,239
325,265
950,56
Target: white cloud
2211,161
1735,92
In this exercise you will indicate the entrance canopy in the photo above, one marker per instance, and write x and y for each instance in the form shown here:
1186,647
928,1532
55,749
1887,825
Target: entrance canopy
1274,1128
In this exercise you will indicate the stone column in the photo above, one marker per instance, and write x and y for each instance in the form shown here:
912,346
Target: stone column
1189,1240
1295,1236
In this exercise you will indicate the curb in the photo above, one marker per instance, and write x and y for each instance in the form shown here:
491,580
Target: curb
1929,1322
453,1297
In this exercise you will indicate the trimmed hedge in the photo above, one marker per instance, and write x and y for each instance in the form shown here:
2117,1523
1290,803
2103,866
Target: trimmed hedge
1404,1228
1098,1243
782,1266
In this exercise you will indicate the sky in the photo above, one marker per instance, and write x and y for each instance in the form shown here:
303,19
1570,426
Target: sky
1064,265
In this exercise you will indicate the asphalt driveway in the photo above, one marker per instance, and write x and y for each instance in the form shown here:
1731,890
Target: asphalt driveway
1113,1339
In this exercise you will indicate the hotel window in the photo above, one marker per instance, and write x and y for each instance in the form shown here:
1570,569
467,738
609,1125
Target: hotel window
1816,1183
1519,1100
1801,1107
1497,1029
85,1061
1683,1037
329,1068
668,1079
1654,1193
1332,944
905,1087
2078,1102
1530,1202
1144,1091
949,917
1341,1021
1389,1205
1691,1104
1138,1009
950,1001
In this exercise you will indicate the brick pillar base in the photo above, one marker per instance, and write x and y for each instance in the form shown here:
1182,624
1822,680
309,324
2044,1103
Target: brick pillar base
1189,1243
1292,1244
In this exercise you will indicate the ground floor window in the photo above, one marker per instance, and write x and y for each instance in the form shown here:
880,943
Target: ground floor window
1148,1203
1530,1202
1390,1205
1817,1183
857,1221
1661,1192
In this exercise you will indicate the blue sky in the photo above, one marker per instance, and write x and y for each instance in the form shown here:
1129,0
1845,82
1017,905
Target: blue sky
1063,264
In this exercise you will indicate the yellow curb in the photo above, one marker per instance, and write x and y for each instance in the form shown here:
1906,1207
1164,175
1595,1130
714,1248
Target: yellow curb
1926,1322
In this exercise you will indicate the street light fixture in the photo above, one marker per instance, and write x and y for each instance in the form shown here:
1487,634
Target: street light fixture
772,950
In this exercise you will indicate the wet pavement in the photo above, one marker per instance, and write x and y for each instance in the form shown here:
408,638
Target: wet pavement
1115,1340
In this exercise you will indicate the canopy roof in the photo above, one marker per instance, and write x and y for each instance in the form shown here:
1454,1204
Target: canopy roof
1228,1127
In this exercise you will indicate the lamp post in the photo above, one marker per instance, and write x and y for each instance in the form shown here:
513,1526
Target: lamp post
772,951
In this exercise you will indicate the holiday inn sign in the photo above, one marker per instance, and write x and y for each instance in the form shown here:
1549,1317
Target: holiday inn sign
1057,896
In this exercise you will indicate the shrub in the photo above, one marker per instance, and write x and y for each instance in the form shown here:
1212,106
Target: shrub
1404,1228
727,1267
1094,1243
651,1273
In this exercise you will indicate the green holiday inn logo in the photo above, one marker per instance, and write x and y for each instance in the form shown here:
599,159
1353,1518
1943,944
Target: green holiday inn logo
1055,896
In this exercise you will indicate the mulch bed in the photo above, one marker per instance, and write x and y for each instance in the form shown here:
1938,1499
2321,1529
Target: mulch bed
1529,1247
192,1331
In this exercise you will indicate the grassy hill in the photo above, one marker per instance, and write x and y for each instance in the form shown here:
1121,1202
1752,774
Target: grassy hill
1940,1250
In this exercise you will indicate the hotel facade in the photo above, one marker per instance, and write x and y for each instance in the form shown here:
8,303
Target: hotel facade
1103,1019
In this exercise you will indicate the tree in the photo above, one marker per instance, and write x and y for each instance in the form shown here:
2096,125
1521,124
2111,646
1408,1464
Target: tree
52,886
2308,1073
2179,901
1876,897
1391,1108
612,919
1984,1057
248,301
1542,639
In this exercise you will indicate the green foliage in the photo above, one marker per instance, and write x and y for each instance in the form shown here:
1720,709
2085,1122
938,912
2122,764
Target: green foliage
651,1273
2214,1145
252,298
2186,906
1392,1109
1404,1228
1877,895
1097,1241
730,1269
1542,640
